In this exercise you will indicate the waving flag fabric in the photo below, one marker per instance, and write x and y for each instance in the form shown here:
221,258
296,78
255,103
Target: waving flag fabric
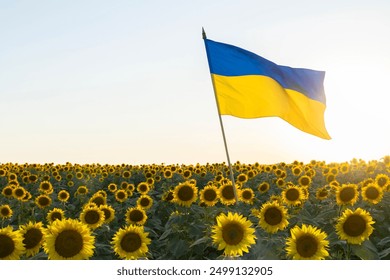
249,86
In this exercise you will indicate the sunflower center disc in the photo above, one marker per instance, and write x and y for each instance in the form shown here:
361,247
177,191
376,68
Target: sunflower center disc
107,214
7,245
131,242
347,194
323,193
68,243
136,216
19,193
292,194
8,192
228,192
232,234
273,216
44,201
169,196
210,195
144,202
185,193
305,182
56,216
372,193
355,225
98,201
307,246
4,212
382,182
247,195
32,238
92,217
121,195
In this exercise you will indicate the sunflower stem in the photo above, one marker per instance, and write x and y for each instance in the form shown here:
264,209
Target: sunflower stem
348,252
33,213
20,212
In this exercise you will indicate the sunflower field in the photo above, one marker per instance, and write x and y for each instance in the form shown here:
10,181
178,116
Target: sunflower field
295,210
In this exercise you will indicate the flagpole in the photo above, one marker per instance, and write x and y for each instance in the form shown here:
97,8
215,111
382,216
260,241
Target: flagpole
222,128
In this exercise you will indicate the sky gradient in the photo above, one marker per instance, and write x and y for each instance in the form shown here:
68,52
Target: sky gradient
128,81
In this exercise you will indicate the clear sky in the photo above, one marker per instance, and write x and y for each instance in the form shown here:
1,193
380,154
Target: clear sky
115,82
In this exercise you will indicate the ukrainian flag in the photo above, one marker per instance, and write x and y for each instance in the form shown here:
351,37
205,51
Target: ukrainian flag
249,86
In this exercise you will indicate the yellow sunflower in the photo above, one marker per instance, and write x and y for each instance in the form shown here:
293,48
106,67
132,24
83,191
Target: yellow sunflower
126,174
63,195
145,201
280,182
330,178
187,174
354,226
7,191
136,216
131,242
19,192
143,188
307,243
12,177
226,193
322,193
372,193
344,168
33,178
124,185
347,194
218,178
130,187
383,181
167,174
112,187
208,195
242,178
273,217
3,172
305,193
121,196
386,160
304,181
11,244
98,199
68,239
247,195
292,195
32,234
185,194
168,196
109,213
79,175
43,201
82,190
26,197
296,170
233,233
263,187
92,216
46,187
5,211
55,214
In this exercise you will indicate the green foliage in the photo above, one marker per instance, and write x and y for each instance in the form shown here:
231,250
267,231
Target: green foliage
185,232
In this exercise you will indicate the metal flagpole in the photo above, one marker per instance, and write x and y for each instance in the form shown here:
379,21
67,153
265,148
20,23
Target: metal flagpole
220,122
